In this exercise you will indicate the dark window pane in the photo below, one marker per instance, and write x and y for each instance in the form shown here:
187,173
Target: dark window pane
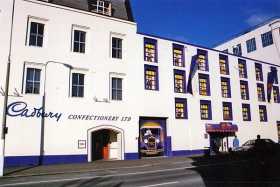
82,36
75,78
81,79
29,76
119,95
32,40
37,75
76,35
76,47
82,48
36,88
81,91
33,28
39,41
28,88
40,29
74,91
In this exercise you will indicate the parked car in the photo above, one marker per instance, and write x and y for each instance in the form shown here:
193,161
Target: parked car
266,145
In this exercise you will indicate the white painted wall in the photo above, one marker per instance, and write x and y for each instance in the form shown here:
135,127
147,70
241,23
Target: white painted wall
61,138
269,54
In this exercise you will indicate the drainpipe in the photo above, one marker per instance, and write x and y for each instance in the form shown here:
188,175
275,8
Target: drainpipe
7,81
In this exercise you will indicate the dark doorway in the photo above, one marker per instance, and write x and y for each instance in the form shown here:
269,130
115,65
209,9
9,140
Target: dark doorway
100,142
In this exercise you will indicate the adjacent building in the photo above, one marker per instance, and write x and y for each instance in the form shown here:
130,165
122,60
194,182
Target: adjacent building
261,42
84,86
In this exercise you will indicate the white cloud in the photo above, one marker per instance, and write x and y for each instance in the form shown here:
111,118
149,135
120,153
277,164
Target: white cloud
256,19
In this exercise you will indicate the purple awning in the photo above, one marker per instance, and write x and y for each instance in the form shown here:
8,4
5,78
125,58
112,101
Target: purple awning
221,127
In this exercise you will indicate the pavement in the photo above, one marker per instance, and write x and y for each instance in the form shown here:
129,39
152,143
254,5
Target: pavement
223,170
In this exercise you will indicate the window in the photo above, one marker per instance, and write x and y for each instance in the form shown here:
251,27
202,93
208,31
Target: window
116,48
204,84
78,85
242,68
263,113
179,81
116,89
202,60
260,92
259,73
205,110
246,112
225,86
244,90
101,7
276,96
151,77
274,69
237,50
32,84
150,50
181,108
36,34
79,43
251,45
223,61
267,39
227,111
178,55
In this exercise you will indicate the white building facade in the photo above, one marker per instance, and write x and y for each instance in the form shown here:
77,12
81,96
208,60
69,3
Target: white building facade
108,92
261,42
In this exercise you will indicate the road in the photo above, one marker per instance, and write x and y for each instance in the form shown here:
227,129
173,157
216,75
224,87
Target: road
229,172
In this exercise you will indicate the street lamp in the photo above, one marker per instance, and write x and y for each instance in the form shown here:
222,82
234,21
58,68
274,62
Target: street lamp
42,140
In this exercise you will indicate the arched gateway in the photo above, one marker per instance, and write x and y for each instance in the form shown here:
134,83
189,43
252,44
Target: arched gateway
105,142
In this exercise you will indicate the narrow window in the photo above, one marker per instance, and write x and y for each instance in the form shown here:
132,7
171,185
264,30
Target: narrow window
225,87
202,60
244,90
205,110
36,34
32,84
242,68
151,78
260,92
178,55
246,112
251,45
259,73
274,69
116,89
150,50
204,85
276,94
78,85
227,111
237,50
267,39
79,43
181,108
179,81
263,113
116,48
223,61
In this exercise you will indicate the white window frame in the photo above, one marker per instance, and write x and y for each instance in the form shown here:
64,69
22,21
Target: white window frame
80,28
81,71
120,76
42,74
37,20
122,37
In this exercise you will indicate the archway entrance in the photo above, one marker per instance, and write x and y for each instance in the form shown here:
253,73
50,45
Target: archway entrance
105,144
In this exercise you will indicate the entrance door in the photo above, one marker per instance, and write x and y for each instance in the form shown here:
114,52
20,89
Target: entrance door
105,145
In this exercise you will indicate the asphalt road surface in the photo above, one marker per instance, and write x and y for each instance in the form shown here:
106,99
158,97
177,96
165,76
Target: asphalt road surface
247,172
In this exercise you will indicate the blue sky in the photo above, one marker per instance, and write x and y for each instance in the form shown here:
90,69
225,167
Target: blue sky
203,22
